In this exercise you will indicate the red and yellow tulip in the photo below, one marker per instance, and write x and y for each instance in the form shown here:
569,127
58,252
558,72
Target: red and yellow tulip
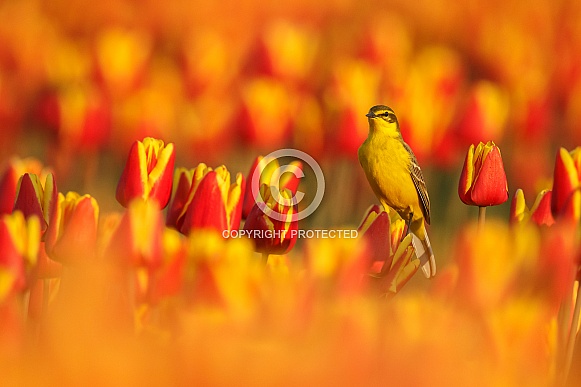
71,237
266,170
540,212
33,198
483,180
9,178
272,223
148,172
566,199
205,198
392,264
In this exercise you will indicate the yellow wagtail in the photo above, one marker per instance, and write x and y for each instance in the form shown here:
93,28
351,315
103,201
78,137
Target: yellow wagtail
396,179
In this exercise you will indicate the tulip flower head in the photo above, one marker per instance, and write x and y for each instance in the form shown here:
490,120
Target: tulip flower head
205,198
72,235
392,264
540,212
32,198
9,180
566,199
272,223
483,180
269,170
148,172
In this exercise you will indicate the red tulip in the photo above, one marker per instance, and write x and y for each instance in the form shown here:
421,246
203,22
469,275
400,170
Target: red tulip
540,212
9,180
72,234
566,199
266,169
392,264
272,224
483,180
205,198
148,172
32,198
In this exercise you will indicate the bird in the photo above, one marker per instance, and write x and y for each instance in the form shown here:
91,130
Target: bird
397,180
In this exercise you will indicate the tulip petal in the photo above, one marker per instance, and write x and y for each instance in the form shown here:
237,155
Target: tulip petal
466,177
8,187
131,183
207,208
183,182
541,210
29,198
565,182
375,229
518,208
160,178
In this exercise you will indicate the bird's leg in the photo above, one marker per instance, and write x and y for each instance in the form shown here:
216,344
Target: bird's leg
409,224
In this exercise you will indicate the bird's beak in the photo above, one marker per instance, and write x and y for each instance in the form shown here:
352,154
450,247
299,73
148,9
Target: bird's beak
370,115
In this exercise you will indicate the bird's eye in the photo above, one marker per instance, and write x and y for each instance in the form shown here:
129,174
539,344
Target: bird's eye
389,117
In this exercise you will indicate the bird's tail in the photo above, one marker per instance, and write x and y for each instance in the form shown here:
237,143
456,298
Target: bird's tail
425,253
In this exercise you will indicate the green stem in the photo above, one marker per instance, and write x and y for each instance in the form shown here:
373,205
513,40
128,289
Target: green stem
481,217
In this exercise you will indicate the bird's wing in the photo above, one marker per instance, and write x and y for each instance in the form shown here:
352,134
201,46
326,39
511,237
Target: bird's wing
419,182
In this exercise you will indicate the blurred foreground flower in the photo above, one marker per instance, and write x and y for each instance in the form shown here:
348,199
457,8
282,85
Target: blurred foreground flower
483,180
71,237
205,198
270,172
148,172
566,199
19,247
272,223
392,264
136,249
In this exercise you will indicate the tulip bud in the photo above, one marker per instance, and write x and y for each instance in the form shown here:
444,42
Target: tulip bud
148,172
32,198
566,198
272,223
205,198
269,171
519,212
9,180
540,212
483,180
72,235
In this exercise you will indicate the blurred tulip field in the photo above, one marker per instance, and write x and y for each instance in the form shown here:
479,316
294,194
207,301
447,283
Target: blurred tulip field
143,241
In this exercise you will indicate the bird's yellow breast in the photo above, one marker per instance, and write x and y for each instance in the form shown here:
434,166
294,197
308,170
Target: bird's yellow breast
386,164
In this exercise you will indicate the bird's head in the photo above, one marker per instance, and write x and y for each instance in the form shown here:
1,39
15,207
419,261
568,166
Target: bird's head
382,118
